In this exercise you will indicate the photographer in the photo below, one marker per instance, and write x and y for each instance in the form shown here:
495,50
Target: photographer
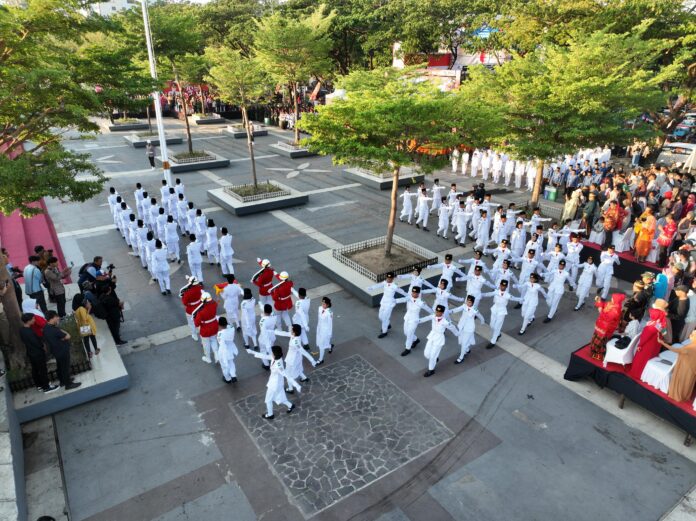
113,308
96,277
56,289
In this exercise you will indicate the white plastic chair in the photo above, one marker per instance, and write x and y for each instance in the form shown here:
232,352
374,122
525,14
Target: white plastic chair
657,373
654,250
670,356
626,241
620,356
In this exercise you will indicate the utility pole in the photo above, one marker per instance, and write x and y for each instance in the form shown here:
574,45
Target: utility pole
156,97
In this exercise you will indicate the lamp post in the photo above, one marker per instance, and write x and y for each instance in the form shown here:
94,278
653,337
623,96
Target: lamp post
156,97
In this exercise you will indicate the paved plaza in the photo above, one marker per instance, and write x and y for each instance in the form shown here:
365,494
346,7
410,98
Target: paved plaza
501,436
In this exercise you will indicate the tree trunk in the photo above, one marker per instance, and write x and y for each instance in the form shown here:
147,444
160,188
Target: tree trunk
537,181
660,140
392,212
202,101
15,353
149,120
297,113
250,143
183,104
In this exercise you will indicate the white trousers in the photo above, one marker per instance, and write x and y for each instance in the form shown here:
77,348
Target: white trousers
248,336
163,279
213,255
582,292
173,248
407,213
192,326
442,228
284,317
497,320
553,299
606,284
232,315
410,332
423,218
210,343
269,406
226,263
196,270
385,311
229,370
466,340
265,299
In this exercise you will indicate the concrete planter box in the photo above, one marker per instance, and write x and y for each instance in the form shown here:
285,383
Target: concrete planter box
128,127
291,151
407,178
140,141
209,119
238,132
355,279
239,208
215,161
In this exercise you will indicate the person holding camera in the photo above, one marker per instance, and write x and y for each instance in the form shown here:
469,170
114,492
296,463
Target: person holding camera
54,276
32,282
112,308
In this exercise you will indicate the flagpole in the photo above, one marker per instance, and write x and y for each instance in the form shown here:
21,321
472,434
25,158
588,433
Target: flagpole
156,97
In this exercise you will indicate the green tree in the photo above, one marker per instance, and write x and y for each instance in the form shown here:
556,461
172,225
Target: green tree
388,121
527,24
294,50
240,80
558,99
175,38
231,23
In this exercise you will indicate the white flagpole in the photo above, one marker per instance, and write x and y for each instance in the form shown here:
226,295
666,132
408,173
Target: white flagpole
156,97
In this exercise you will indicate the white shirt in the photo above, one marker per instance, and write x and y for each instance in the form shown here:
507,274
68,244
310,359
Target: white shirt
159,260
193,252
226,246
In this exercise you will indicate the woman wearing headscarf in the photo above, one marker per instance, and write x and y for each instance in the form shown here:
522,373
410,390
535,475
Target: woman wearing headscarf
648,345
570,208
645,231
606,323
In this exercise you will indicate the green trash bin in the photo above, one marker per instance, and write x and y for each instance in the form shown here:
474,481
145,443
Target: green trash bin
553,192
267,121
546,192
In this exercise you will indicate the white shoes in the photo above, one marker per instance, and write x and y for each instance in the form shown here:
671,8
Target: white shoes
206,360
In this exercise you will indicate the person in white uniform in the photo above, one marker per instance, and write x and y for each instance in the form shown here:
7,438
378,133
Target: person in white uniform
138,195
585,282
436,338
154,213
605,271
503,273
557,280
449,270
436,189
275,388
387,303
181,214
161,267
227,351
211,243
443,215
530,300
293,359
422,210
483,231
267,330
554,258
509,170
455,160
467,326
573,255
461,219
190,219
486,160
415,279
201,229
226,252
193,256
414,304
464,161
171,236
407,205
499,311
324,328
230,295
161,223
248,309
443,295
476,282
301,315
141,235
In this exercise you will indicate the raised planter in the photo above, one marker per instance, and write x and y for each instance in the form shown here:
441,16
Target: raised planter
241,206
128,127
355,279
292,151
381,181
209,119
238,131
140,141
211,160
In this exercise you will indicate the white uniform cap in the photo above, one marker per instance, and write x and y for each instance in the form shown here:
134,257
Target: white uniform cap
205,296
283,275
265,262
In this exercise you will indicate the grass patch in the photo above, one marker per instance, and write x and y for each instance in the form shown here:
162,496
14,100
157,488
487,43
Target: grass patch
250,190
147,133
196,154
126,121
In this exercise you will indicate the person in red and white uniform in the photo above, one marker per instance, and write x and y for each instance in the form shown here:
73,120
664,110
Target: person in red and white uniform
282,297
263,279
205,319
191,298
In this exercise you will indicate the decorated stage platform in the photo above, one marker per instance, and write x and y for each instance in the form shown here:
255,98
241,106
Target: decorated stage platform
616,378
629,269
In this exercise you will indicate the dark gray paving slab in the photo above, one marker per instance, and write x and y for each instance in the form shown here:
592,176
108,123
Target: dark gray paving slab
226,502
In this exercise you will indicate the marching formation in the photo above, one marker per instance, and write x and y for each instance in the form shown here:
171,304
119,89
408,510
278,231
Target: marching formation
153,231
548,261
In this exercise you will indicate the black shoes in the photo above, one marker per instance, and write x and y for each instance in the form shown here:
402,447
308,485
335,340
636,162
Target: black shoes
405,352
415,343
305,379
381,335
73,385
266,367
292,408
319,362
547,320
429,373
459,360
490,345
266,417
290,391
518,306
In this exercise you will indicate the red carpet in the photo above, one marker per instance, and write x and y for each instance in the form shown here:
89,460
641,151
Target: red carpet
584,353
19,235
624,256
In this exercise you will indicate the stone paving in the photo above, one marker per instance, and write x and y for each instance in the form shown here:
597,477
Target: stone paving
354,427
